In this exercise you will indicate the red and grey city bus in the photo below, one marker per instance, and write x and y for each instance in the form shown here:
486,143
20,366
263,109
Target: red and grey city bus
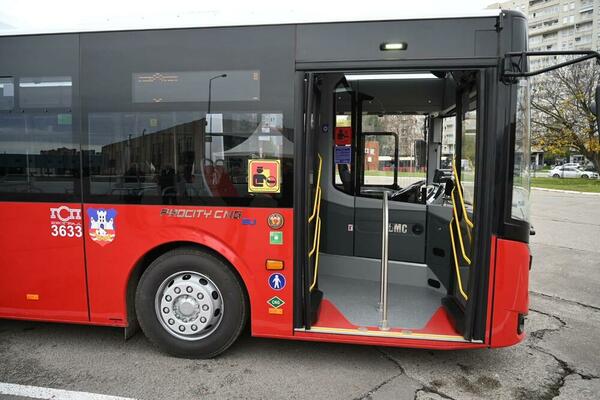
355,182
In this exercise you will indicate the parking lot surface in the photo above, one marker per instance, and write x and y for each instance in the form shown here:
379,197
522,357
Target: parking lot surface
559,359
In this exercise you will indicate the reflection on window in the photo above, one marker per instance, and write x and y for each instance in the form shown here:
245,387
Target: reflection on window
37,154
190,86
448,142
521,172
45,92
7,93
180,157
468,150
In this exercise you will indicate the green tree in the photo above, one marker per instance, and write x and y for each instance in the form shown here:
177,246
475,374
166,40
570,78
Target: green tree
562,118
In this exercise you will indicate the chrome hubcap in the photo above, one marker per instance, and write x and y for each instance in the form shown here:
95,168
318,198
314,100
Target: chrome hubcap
189,305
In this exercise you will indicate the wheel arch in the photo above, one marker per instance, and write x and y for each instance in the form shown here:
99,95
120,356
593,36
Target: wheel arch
225,255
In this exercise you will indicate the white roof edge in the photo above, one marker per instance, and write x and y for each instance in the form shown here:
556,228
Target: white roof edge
213,20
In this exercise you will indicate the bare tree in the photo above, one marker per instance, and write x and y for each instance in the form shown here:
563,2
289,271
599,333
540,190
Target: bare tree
562,118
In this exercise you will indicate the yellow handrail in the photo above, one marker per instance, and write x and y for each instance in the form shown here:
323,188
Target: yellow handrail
314,246
456,220
314,212
317,235
460,238
460,194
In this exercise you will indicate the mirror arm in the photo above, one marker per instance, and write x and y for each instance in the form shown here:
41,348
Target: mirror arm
514,66
514,63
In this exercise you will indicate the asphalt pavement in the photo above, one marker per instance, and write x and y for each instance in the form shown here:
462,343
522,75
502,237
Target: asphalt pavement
559,359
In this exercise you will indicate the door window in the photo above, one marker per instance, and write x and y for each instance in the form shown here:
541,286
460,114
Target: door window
468,148
343,132
380,159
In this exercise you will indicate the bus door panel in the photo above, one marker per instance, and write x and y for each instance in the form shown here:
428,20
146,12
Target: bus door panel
406,230
43,271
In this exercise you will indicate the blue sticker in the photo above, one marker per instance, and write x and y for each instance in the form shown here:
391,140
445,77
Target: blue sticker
277,281
248,221
343,154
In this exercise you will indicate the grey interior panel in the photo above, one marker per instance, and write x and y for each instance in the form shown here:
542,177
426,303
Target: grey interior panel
426,95
439,248
406,243
411,274
336,237
409,307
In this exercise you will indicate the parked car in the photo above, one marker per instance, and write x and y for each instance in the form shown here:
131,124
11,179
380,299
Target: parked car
589,168
571,172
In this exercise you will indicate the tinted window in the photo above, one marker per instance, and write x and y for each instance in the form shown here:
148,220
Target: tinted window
184,86
7,93
45,92
186,132
38,154
175,158
39,136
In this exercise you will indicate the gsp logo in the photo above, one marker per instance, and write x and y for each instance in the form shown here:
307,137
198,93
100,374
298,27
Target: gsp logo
65,214
65,222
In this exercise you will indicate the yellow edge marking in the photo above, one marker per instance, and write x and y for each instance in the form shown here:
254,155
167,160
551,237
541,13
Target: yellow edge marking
460,239
460,195
314,213
315,241
460,287
324,329
314,283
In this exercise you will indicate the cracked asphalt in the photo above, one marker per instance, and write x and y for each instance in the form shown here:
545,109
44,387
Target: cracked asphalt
559,359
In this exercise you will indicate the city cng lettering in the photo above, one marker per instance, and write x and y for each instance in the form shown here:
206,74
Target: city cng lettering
200,213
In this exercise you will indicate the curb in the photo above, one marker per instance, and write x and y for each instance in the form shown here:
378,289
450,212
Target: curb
565,191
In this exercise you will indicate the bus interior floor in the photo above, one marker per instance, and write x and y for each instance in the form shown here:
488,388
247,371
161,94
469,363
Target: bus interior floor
409,307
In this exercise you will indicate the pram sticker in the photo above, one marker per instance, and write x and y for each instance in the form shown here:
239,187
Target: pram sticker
264,176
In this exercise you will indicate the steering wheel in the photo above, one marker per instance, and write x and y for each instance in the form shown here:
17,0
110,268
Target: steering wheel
407,189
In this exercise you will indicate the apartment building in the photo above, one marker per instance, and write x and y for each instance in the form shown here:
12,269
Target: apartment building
559,25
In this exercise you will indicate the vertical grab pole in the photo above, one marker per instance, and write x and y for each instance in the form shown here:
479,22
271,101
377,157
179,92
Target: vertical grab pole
383,297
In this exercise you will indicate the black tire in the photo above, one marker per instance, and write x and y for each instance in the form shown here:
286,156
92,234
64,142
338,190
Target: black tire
584,176
556,176
235,303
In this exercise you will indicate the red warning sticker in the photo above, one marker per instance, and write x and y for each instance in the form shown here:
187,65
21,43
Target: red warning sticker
343,135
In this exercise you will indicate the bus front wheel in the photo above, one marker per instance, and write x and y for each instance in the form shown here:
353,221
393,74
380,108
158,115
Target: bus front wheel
191,304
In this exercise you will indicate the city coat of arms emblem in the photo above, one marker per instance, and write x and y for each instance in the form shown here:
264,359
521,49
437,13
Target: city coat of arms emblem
102,225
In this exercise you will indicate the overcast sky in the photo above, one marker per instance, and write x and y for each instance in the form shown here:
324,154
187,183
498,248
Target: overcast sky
81,15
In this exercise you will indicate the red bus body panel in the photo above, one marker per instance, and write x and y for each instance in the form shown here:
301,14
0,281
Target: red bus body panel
42,277
36,263
140,229
511,291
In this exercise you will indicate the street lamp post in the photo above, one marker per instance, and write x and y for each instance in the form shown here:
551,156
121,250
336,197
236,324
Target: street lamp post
208,112
210,94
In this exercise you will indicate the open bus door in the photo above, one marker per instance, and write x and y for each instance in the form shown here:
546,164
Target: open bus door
337,243
310,169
